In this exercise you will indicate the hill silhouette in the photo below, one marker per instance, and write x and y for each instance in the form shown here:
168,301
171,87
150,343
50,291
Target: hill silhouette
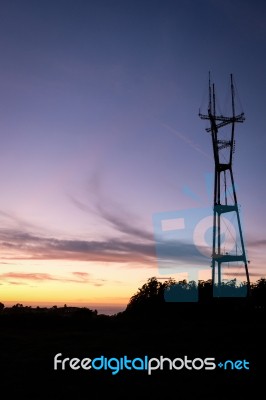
228,328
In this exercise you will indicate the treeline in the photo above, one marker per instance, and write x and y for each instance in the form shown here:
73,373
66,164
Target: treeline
202,291
54,310
199,299
155,299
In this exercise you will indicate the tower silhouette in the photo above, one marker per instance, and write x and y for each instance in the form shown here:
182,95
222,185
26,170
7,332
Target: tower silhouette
225,205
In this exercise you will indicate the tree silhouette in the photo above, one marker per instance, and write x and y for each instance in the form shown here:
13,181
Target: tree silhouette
154,294
150,295
258,292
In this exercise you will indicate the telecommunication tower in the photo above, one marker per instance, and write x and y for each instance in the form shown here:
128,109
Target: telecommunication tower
222,130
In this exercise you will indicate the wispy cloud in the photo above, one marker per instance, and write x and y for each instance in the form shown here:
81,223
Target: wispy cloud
12,220
257,244
122,222
22,278
16,244
240,274
111,212
129,242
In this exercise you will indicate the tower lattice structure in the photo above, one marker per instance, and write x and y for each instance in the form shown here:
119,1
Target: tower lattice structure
222,130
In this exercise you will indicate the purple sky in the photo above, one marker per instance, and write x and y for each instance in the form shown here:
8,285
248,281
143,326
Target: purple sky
99,128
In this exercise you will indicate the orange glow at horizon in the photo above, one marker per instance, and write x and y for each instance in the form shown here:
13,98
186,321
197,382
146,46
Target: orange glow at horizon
65,282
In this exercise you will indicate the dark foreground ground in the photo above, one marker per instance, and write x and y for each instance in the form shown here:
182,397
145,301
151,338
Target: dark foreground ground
29,343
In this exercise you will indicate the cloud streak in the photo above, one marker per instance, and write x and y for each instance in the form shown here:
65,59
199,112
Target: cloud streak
18,245
118,222
21,245
21,278
257,244
111,212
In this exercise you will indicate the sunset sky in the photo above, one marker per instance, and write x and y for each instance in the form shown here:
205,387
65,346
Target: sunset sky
99,129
